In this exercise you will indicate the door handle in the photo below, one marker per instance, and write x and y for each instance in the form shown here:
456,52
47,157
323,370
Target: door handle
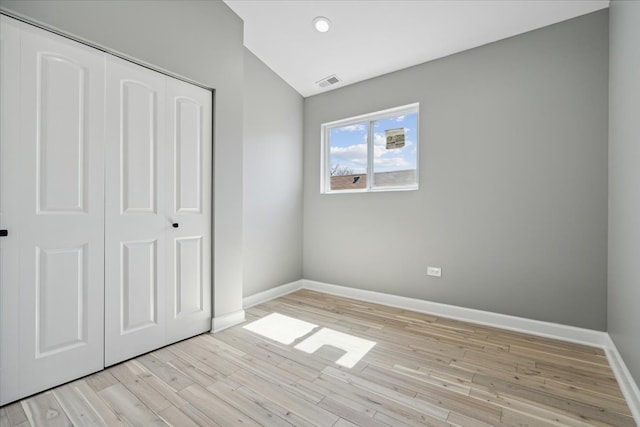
175,225
4,233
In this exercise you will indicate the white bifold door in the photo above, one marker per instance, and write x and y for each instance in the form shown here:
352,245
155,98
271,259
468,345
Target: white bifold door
52,204
105,207
158,211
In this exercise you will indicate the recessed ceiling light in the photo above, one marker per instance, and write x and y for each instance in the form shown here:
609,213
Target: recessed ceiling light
321,24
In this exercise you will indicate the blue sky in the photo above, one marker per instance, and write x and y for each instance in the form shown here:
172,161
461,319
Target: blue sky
349,145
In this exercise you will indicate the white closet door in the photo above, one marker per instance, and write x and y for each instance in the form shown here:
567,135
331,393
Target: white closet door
189,207
136,226
9,248
53,205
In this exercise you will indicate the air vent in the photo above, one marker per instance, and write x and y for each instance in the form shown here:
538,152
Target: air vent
328,81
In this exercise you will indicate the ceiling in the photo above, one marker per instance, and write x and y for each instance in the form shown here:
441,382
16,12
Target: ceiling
369,38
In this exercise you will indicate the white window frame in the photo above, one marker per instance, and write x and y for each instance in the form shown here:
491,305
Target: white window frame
325,129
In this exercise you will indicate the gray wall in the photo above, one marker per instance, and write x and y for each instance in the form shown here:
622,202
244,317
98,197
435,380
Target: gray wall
272,179
624,182
202,41
513,181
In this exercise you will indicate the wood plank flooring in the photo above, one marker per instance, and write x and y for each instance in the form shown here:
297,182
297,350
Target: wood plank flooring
423,370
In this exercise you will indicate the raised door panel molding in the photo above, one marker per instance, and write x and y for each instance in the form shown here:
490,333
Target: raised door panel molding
139,287
138,147
61,306
189,290
188,161
61,103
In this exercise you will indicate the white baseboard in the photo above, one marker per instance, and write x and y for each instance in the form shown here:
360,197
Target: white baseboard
625,380
503,321
518,324
270,294
220,323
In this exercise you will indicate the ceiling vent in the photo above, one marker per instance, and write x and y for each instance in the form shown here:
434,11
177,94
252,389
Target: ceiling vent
328,81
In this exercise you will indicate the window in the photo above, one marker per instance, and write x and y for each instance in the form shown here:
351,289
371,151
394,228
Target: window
373,152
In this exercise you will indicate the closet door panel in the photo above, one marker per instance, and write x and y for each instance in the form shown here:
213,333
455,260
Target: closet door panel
139,285
138,151
61,311
189,183
61,141
187,118
189,284
135,282
61,208
9,218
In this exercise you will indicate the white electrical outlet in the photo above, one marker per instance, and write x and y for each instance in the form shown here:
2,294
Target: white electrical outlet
434,271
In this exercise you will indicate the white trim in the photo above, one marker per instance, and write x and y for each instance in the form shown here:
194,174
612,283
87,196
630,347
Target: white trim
382,114
625,380
503,321
270,294
225,321
519,324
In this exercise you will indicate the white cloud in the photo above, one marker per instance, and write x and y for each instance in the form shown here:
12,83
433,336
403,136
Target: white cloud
353,128
400,118
350,150
352,156
355,156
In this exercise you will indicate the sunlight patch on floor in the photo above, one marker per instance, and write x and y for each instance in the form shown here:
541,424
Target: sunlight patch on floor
286,330
355,347
278,327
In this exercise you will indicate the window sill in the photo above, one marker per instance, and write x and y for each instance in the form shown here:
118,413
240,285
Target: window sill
373,190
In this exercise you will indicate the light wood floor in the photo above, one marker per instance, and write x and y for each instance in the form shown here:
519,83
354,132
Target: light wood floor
424,370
